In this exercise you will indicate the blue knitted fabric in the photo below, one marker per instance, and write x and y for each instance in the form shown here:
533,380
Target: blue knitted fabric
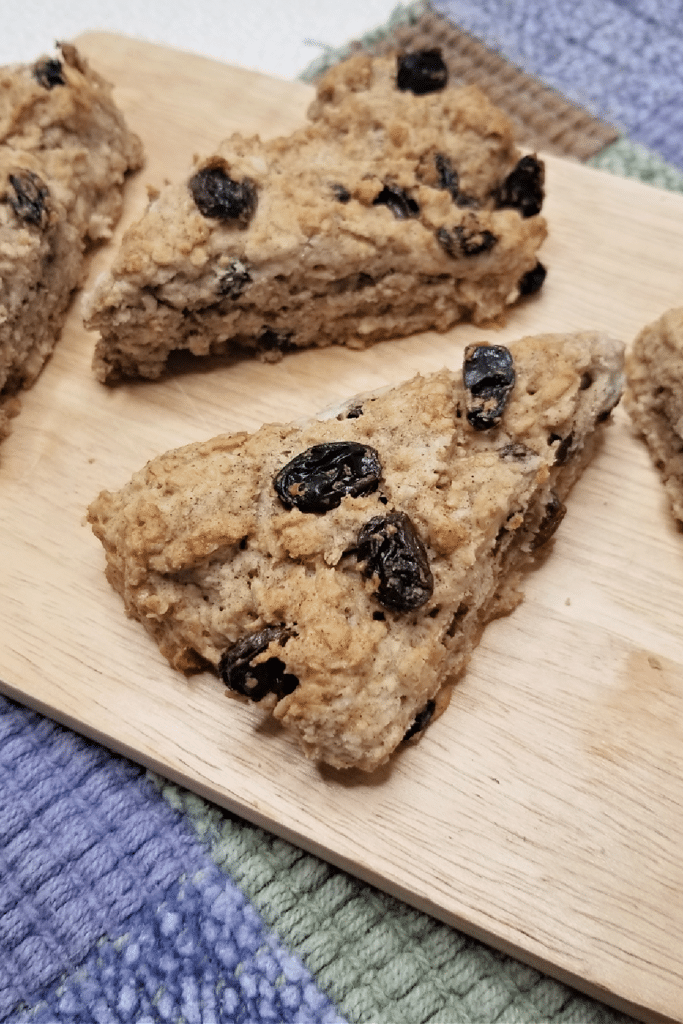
619,59
126,899
110,910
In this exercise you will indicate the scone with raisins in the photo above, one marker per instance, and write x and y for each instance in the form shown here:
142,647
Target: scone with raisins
338,572
402,206
654,398
64,151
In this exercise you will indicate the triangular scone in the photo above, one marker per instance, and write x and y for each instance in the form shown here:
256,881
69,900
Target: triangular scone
654,398
64,153
340,571
388,214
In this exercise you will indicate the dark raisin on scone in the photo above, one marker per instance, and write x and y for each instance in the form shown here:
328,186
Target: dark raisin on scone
64,152
337,572
421,71
403,205
654,398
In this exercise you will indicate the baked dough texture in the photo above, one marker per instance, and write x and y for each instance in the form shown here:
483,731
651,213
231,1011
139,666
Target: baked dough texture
64,152
654,398
365,641
389,213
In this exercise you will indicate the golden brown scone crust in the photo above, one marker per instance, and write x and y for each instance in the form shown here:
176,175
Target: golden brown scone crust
323,259
654,398
204,553
64,152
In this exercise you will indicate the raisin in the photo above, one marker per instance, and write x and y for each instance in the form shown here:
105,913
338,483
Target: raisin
467,239
341,193
399,202
515,452
489,377
255,681
523,188
421,72
554,513
467,202
354,412
456,622
217,195
234,280
48,73
422,720
273,344
448,176
532,281
318,478
450,181
564,449
393,552
606,412
29,201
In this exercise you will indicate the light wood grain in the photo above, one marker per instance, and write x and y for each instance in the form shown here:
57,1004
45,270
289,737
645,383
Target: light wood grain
544,812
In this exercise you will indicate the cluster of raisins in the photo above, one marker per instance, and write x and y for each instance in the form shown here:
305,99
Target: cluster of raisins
521,190
422,72
388,548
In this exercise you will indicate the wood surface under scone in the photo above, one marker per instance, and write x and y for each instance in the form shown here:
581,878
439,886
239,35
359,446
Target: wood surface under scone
389,213
64,152
654,398
345,587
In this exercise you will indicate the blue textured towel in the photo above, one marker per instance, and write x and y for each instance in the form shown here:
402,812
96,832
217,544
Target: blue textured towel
620,59
111,910
124,898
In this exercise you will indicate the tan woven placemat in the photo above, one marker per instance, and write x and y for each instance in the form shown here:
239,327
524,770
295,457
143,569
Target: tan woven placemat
544,120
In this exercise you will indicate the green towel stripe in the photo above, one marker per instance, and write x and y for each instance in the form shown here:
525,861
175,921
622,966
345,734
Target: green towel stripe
379,960
631,160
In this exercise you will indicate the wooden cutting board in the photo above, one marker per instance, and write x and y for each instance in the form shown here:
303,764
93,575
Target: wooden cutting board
544,812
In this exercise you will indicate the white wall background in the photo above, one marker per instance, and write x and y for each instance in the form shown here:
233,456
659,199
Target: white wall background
267,35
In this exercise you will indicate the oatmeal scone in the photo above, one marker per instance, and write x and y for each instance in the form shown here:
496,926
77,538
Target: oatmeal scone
654,398
393,211
64,152
339,571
